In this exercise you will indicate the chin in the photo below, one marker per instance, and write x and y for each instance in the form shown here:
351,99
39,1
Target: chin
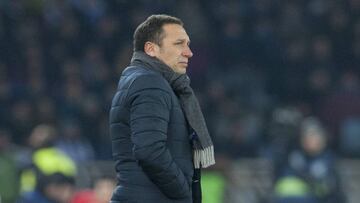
181,71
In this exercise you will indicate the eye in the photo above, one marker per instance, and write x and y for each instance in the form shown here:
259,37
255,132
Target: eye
182,43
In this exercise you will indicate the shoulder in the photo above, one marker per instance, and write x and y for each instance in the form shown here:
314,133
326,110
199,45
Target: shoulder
140,78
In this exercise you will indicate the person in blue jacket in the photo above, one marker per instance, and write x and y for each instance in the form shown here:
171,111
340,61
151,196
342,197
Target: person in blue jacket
159,136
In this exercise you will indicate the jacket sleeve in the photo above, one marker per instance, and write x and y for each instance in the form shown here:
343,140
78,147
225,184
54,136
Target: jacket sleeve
150,103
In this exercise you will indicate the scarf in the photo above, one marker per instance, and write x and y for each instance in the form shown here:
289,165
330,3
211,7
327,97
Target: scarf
203,148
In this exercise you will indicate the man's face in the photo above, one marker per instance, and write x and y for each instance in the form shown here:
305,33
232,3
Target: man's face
174,50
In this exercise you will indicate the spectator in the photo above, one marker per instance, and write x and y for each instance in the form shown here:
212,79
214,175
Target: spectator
45,159
310,174
73,144
100,193
341,104
9,170
51,188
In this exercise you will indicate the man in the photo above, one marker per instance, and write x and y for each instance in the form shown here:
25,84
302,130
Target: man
158,132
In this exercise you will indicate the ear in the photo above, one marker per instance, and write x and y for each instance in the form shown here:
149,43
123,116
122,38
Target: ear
150,49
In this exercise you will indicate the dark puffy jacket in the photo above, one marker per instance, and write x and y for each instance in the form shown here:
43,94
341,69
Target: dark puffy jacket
150,140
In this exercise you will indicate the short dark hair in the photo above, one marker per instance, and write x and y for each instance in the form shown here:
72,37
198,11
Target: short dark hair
55,178
151,30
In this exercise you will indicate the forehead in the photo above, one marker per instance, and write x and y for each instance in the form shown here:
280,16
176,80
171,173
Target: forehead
175,32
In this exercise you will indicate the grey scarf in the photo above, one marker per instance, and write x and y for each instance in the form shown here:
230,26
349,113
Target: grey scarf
180,83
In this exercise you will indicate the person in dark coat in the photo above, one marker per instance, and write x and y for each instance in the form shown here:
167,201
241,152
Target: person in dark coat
309,174
159,137
53,188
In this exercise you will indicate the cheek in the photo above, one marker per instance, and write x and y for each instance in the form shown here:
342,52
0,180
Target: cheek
172,59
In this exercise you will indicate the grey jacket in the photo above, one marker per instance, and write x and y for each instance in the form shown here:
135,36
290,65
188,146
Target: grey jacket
150,140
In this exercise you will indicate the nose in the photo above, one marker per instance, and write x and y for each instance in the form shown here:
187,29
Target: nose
187,53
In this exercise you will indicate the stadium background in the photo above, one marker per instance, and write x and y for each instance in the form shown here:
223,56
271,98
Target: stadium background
259,67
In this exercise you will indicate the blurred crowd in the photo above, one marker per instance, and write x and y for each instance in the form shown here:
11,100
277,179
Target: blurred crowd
261,68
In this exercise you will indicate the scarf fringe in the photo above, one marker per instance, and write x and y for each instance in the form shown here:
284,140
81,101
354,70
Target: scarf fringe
204,157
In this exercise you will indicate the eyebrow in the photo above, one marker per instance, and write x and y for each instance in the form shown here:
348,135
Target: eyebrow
182,40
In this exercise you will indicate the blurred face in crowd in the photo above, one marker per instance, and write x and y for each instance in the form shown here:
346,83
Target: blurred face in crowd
103,190
60,192
174,49
313,143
